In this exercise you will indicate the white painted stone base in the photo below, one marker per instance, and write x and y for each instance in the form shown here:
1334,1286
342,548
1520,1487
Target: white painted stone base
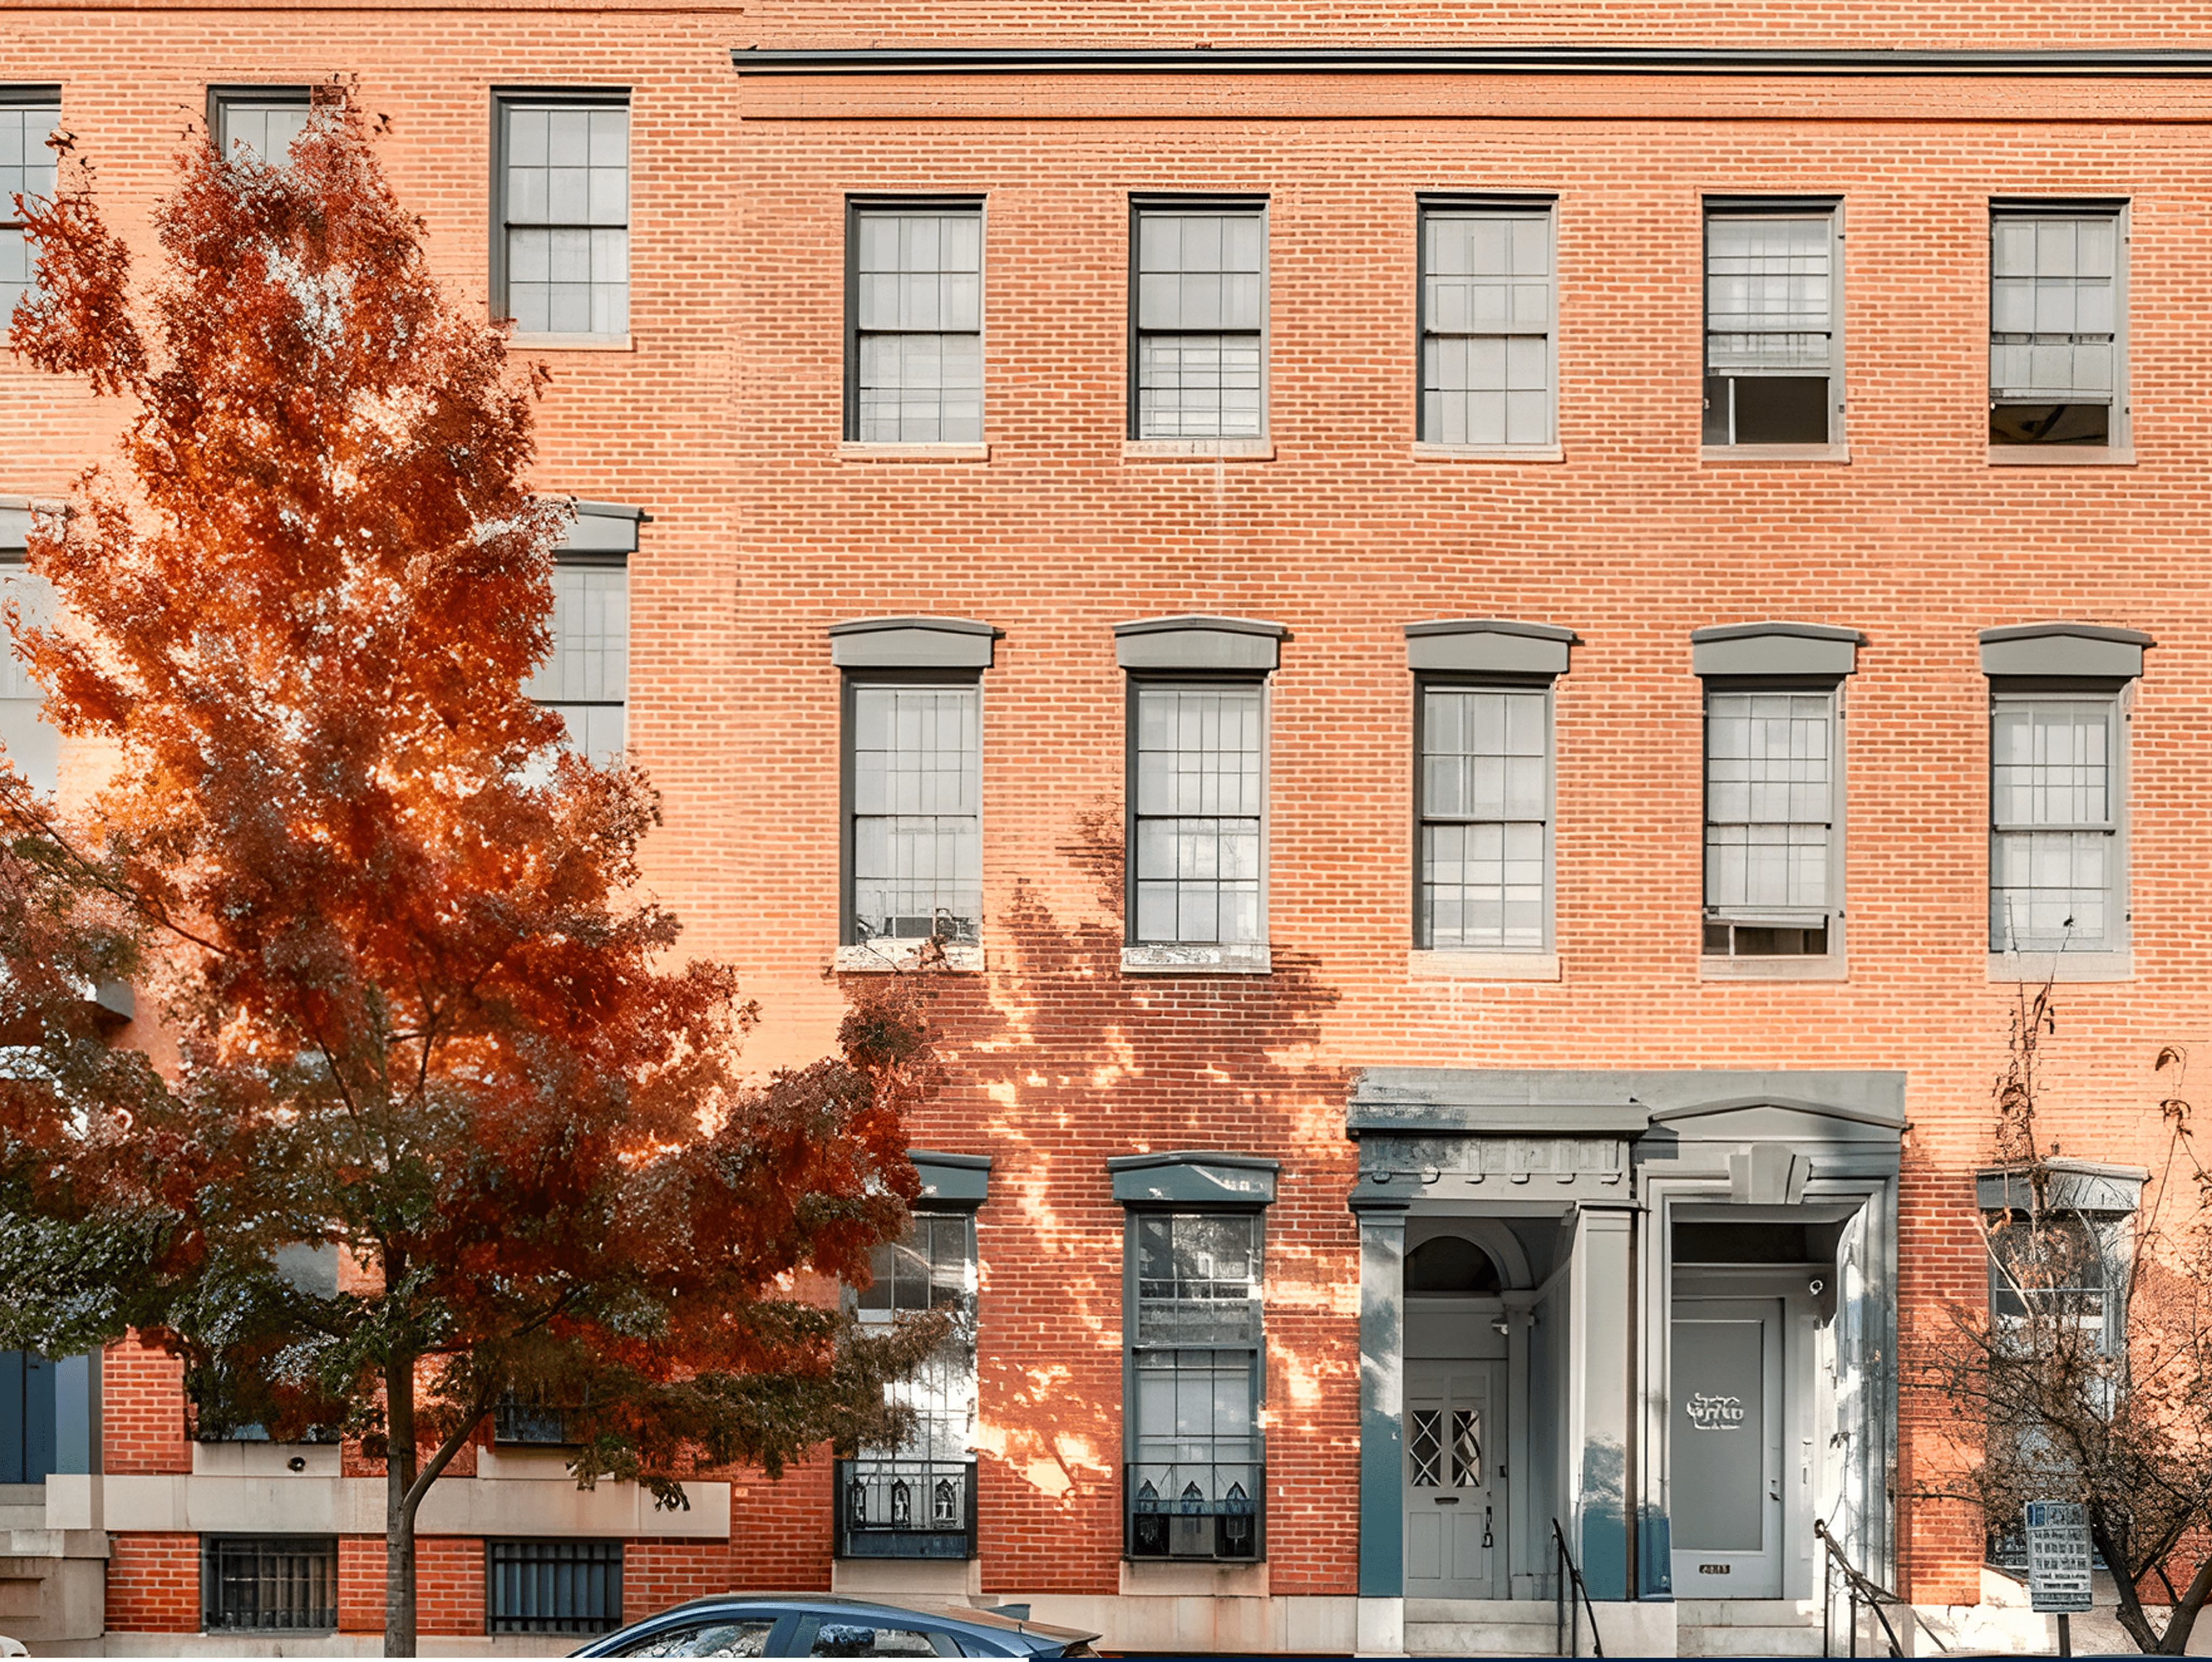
1199,1623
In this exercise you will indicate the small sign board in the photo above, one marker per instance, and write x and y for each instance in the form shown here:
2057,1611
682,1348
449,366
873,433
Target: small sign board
2058,1556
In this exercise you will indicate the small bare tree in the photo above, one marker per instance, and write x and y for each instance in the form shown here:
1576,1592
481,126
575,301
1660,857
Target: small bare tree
2088,1375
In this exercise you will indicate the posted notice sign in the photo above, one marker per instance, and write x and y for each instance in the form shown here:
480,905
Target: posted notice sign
2058,1555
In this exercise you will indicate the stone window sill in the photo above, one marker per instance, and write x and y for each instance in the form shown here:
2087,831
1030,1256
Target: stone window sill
572,343
1252,957
2061,455
1774,452
1445,964
2036,968
1198,450
1479,453
885,960
849,452
1830,967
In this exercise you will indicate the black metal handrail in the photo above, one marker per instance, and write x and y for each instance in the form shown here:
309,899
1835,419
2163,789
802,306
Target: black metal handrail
1861,1589
1570,1599
896,1506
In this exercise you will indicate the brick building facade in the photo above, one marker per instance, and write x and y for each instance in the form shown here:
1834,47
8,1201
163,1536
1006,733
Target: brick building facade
1497,640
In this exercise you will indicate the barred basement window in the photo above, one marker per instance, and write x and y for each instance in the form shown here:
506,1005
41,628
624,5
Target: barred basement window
553,1586
268,1582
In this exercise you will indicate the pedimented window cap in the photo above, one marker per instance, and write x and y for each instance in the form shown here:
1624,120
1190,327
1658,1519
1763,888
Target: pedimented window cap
1198,642
2069,1186
2099,650
602,528
1195,1177
1774,648
1489,646
951,1180
913,643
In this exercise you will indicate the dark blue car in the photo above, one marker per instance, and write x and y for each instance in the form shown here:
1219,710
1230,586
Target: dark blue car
823,1624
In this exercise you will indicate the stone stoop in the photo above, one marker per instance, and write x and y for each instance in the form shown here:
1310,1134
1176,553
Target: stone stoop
1747,1627
1483,1627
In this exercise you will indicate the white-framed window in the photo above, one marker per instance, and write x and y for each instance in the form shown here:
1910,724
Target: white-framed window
2058,325
1198,283
34,747
261,120
587,675
1773,865
1485,784
1489,298
560,258
1774,337
1198,767
1196,1485
2057,820
28,116
913,322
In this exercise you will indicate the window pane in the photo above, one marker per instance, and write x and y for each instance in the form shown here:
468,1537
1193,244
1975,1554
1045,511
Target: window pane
2053,312
917,851
1768,778
1486,798
1200,303
565,202
919,291
1487,312
1197,829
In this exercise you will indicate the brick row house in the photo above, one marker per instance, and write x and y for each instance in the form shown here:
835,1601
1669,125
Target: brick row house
1495,641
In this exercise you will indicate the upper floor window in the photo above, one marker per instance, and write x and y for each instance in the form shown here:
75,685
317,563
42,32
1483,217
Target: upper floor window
32,747
1774,356
585,677
27,171
1485,800
1488,298
2058,324
562,261
913,323
262,120
1201,800
1200,320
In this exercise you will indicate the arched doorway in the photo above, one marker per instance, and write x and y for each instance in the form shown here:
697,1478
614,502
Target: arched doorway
1455,1424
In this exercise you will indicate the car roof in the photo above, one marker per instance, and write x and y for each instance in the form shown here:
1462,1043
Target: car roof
936,1610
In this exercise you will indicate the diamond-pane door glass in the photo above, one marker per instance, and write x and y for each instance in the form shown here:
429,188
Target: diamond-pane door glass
918,296
567,208
1487,302
916,786
1466,1448
1425,1448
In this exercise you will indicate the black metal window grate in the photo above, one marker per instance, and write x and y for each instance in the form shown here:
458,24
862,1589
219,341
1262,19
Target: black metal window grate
553,1586
269,1581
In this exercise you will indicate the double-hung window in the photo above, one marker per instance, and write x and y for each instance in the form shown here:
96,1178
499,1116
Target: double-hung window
2057,328
1774,340
586,676
1199,319
1197,792
1773,790
2058,718
1489,296
914,322
561,261
28,115
1486,796
912,787
1196,1485
34,748
261,120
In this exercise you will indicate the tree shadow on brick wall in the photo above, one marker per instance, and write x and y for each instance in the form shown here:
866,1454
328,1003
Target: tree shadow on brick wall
1058,1061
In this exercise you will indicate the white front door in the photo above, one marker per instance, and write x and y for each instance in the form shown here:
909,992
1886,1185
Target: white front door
1724,1448
1454,1435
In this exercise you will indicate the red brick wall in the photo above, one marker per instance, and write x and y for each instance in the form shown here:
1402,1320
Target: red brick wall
153,1584
449,1584
659,1571
723,421
141,1427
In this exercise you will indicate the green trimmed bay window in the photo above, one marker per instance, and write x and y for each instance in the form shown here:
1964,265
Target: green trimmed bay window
1194,1483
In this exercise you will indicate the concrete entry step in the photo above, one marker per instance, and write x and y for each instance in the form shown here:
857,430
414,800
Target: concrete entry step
1482,1627
1747,1627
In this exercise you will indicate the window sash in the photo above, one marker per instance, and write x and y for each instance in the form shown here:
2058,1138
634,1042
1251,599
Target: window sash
564,213
585,677
915,339
264,126
1198,790
913,773
1198,315
2056,842
1488,297
2055,282
1770,293
1770,789
1484,783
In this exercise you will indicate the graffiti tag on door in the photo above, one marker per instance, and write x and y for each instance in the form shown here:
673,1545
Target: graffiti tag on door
1709,1413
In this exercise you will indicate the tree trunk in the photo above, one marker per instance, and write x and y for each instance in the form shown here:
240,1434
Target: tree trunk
399,1506
2186,1608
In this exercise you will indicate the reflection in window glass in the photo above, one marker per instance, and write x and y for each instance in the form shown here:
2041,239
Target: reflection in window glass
2054,838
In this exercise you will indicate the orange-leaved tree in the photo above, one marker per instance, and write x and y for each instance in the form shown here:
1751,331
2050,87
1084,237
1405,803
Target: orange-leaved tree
427,1029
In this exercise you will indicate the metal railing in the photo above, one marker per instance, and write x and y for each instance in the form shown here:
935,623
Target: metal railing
1860,1589
1570,1599
1197,1510
891,1506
